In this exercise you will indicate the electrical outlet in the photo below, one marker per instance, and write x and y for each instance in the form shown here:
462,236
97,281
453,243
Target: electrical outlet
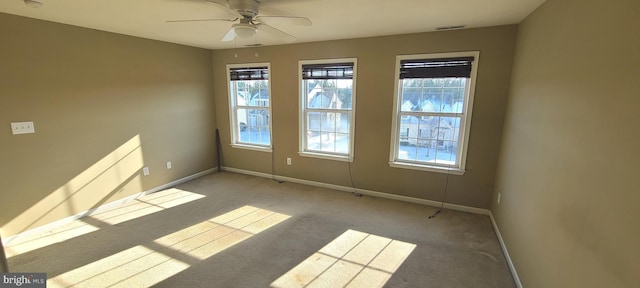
499,196
145,171
22,127
169,165
288,160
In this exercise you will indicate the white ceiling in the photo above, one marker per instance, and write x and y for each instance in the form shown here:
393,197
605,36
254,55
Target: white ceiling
332,19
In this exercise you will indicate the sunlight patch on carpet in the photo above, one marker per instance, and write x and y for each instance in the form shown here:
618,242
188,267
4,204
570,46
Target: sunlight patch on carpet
207,238
147,205
148,264
24,244
138,266
353,259
133,209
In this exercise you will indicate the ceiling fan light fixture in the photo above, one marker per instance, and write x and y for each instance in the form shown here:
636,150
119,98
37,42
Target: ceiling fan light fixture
244,30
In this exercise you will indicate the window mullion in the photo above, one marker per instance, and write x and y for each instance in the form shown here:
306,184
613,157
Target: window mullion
327,110
434,114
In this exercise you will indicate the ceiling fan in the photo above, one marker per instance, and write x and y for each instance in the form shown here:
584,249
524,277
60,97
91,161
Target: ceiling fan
249,21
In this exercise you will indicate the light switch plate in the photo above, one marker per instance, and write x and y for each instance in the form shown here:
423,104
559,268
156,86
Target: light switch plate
22,127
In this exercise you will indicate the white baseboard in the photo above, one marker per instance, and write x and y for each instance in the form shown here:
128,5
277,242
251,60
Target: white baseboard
363,191
512,268
103,207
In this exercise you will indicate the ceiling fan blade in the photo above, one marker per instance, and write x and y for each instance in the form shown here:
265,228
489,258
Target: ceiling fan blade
229,36
300,21
201,20
224,5
286,37
218,2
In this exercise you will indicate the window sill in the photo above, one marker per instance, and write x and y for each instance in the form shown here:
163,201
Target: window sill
326,156
423,167
252,147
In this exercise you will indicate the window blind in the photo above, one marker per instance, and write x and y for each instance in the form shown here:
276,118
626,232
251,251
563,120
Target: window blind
250,73
436,68
327,71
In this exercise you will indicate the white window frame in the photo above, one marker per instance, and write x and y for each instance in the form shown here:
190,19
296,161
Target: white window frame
463,138
303,110
233,106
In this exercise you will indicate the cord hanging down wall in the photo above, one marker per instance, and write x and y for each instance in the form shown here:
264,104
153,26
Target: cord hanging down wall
218,153
273,176
353,186
444,193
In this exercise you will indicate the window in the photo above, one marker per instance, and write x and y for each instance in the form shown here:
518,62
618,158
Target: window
328,98
432,111
249,95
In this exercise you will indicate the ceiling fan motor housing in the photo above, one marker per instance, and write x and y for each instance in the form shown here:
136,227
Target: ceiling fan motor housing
247,8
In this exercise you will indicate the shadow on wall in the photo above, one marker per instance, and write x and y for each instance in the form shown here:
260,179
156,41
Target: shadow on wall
88,190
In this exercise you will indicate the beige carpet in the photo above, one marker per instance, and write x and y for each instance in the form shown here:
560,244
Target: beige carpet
232,230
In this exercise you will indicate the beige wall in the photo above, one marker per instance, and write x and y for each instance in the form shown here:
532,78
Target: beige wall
375,82
104,106
568,168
